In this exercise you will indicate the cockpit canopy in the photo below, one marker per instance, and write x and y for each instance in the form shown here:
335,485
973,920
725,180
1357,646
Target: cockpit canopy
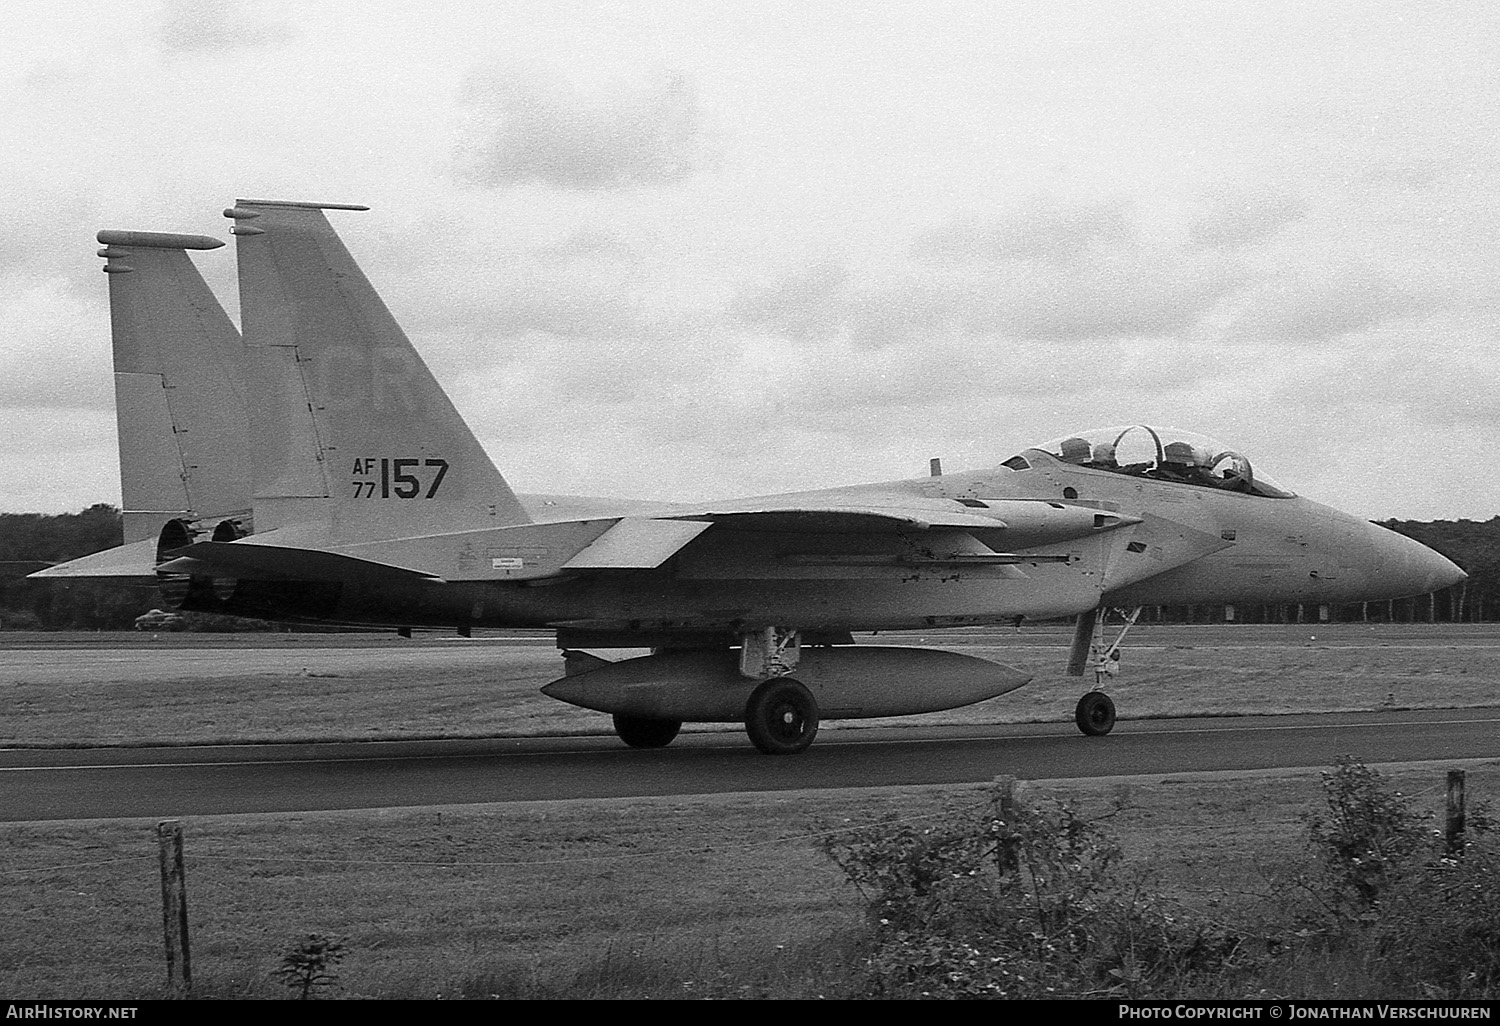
1161,454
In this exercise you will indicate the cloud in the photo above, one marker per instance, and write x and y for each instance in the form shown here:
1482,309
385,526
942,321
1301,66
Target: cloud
1392,434
52,236
55,353
1246,217
1051,232
537,128
805,304
1117,297
1413,174
551,300
1440,390
1311,305
53,462
588,243
1120,297
218,26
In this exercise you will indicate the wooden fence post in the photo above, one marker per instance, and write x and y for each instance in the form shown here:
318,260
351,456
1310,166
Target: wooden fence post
174,914
1007,857
1455,832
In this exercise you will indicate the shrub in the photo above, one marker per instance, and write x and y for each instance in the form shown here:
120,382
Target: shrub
1366,837
1392,899
1017,900
1438,933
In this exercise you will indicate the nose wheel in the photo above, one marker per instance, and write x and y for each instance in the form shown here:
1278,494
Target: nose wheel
1095,714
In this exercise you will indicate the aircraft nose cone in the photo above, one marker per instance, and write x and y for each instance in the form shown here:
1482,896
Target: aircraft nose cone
1415,569
1442,572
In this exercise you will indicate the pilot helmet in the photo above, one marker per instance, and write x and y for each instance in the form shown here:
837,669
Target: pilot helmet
1075,450
1181,452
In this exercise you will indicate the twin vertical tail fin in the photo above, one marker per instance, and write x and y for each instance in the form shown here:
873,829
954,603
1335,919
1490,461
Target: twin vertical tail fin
349,429
322,418
179,385
179,405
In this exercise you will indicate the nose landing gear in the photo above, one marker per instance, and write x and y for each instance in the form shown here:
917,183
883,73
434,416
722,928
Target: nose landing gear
1095,713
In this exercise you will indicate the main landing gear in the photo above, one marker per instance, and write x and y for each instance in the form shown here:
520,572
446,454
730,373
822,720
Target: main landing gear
781,715
1095,713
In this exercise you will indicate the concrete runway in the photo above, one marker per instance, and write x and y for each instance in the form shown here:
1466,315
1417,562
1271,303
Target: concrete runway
128,783
52,784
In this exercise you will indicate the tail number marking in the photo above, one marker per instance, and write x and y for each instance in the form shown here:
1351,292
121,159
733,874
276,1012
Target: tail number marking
400,478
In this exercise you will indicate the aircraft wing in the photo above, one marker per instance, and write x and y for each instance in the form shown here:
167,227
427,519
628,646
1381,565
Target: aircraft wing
848,519
848,534
864,512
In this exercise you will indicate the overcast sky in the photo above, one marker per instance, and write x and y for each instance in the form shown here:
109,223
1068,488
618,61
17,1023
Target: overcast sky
687,250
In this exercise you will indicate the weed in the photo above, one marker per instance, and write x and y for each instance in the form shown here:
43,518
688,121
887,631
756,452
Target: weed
312,963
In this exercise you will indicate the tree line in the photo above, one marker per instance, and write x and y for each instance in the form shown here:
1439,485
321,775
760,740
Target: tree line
33,541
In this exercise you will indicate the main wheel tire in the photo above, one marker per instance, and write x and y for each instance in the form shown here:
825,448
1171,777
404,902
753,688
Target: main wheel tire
1095,714
781,716
640,732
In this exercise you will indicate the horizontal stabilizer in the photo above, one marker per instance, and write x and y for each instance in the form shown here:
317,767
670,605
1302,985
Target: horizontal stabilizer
275,562
136,560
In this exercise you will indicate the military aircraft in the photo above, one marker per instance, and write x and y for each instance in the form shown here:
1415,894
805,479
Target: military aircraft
372,503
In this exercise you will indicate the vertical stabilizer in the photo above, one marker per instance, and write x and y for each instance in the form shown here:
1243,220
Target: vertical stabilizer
349,427
179,384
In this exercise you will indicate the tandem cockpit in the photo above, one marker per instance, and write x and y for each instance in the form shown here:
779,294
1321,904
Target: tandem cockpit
1157,454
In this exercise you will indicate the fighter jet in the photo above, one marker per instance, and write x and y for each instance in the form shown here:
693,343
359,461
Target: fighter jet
373,503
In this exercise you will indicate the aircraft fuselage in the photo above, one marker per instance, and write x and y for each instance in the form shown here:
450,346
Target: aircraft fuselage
1193,545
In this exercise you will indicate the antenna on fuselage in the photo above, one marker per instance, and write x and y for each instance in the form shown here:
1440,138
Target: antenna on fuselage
935,467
